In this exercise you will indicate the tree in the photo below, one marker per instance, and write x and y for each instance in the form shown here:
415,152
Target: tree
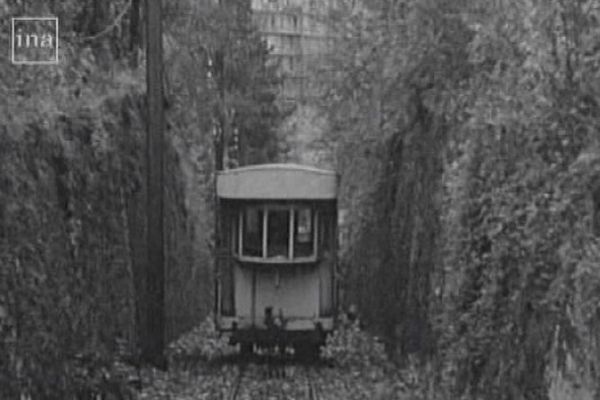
235,87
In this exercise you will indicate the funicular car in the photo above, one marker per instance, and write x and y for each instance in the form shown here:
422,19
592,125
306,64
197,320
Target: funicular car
276,255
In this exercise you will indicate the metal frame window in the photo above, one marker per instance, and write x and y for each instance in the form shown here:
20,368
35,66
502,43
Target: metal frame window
277,233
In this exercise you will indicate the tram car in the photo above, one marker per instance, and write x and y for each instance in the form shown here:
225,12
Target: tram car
276,255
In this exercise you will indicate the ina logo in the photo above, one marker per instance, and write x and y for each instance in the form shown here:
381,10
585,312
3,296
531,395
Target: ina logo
34,40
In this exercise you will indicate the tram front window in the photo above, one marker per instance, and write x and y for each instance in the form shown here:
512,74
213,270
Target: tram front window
253,232
278,231
268,233
303,233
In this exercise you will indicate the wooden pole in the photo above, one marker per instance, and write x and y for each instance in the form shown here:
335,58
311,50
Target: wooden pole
154,333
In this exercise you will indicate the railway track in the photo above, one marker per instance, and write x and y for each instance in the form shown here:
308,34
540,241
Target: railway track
303,378
234,391
313,390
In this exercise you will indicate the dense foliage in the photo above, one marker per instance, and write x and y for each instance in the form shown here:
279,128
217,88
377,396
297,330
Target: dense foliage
66,277
72,189
350,347
201,344
466,136
388,118
467,139
218,49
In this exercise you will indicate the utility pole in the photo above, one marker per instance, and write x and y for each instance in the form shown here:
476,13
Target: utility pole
153,335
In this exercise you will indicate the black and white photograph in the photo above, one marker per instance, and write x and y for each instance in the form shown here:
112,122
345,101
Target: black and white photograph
299,199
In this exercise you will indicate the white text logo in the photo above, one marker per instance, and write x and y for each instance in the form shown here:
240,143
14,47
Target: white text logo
34,40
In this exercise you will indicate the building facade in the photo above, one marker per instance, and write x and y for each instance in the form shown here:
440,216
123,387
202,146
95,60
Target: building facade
300,36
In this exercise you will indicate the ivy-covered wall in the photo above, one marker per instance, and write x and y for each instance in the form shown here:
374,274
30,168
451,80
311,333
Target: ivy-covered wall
72,244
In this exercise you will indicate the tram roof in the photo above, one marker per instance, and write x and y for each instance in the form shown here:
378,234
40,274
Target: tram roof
277,182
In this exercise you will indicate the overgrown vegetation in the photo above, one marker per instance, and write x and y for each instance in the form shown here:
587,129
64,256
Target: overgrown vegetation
350,347
466,135
72,189
201,344
472,133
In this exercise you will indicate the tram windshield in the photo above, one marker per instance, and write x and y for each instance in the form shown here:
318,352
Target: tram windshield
278,232
253,232
303,233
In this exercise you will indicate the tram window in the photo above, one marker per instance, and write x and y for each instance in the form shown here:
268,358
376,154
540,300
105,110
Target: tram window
278,231
252,232
234,235
326,235
291,232
303,233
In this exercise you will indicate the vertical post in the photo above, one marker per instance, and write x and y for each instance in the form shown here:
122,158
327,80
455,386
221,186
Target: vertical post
291,233
240,230
265,234
153,343
316,237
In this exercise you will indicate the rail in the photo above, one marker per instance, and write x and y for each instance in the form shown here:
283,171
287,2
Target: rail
313,390
237,383
304,376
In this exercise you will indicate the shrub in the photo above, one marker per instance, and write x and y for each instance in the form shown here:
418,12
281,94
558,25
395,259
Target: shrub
202,343
350,347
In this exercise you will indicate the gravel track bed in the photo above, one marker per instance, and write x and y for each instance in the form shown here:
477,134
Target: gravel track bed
209,383
261,382
264,382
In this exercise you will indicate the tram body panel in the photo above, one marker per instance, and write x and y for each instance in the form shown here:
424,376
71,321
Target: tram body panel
293,291
305,295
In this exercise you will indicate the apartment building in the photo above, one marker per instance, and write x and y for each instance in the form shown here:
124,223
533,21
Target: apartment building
300,36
